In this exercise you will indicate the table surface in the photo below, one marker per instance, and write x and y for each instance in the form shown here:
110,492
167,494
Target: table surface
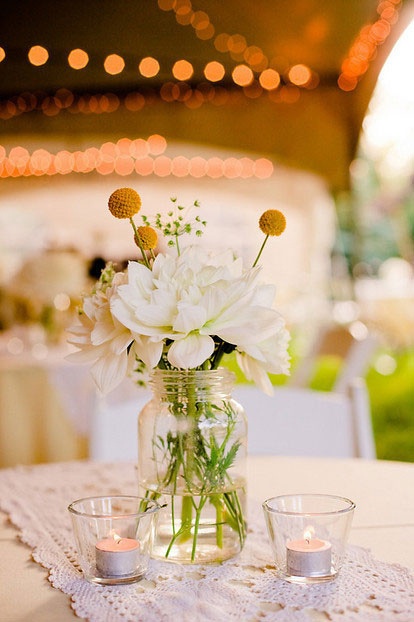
383,522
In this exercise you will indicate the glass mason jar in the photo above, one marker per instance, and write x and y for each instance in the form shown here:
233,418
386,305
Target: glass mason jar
192,443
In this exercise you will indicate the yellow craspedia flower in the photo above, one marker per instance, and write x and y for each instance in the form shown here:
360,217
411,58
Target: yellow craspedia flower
148,238
124,203
272,222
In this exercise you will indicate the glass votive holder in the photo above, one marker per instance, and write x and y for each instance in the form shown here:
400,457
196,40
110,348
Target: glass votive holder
114,536
308,535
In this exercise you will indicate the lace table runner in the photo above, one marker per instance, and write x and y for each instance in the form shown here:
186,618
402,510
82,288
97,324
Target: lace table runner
243,589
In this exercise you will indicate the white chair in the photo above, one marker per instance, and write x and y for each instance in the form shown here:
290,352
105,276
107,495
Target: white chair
114,427
304,422
355,355
294,421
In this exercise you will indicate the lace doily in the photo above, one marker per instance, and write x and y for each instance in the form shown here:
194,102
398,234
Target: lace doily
245,588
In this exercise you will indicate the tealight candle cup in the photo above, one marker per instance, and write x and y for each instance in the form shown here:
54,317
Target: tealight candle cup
114,536
308,535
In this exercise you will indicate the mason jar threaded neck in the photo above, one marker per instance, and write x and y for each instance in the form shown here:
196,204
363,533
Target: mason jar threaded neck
166,383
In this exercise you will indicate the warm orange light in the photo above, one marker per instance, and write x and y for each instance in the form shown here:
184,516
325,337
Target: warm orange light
19,157
180,166
124,165
247,169
123,146
354,66
114,64
78,59
242,75
197,167
156,144
214,71
347,83
139,148
200,20
215,167
40,161
64,162
105,166
38,55
206,33
220,42
236,44
2,54
182,70
299,75
166,5
81,162
232,168
263,168
380,30
195,100
254,56
162,166
145,166
149,67
134,102
269,79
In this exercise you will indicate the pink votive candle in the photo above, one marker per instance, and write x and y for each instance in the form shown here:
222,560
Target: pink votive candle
308,557
116,556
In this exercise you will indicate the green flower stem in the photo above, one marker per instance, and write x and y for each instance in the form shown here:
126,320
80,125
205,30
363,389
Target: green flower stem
203,499
188,464
260,251
217,501
186,516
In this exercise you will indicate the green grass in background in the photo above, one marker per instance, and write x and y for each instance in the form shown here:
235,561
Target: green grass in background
391,397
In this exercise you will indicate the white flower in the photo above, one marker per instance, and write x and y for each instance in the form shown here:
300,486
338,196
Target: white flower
182,311
191,298
101,338
256,360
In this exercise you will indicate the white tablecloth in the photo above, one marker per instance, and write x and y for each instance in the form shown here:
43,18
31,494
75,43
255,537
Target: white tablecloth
383,522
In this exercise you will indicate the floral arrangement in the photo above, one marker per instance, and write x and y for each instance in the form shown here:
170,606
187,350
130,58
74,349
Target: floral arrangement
180,310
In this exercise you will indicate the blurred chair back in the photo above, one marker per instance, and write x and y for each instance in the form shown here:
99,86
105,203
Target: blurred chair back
304,422
294,421
114,428
355,355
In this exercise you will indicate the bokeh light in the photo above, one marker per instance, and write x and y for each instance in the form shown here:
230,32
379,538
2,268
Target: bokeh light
38,55
78,59
149,67
114,64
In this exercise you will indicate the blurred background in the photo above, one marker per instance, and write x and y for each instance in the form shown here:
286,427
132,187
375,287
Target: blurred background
301,105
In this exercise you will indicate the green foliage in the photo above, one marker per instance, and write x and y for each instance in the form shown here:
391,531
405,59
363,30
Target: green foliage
391,398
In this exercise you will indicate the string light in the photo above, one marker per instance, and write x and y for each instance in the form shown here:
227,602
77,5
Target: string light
182,70
114,64
78,59
364,47
128,157
38,55
149,67
251,75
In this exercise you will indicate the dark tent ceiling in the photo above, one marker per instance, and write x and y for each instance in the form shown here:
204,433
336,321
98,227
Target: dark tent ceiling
314,126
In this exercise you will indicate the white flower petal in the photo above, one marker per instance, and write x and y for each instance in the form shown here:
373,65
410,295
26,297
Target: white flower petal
189,318
191,351
109,371
148,351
